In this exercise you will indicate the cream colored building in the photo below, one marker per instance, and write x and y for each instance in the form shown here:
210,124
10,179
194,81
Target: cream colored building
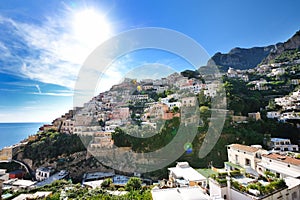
67,126
102,140
6,153
254,116
244,156
188,101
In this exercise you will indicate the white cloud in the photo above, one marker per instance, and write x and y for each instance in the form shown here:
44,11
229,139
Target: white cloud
60,94
54,53
38,88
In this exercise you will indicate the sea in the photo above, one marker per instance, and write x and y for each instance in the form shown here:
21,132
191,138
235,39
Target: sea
13,133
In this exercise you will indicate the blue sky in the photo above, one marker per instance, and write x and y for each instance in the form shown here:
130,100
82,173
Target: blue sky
42,45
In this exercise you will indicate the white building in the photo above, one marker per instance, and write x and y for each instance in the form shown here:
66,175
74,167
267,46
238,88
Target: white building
277,72
110,128
291,192
281,144
211,89
273,114
185,193
43,173
282,166
188,174
37,195
140,97
173,104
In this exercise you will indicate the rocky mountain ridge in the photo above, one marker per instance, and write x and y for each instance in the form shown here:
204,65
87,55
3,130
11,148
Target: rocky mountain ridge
247,58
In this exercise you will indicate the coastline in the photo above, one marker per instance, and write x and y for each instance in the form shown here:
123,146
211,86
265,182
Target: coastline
12,133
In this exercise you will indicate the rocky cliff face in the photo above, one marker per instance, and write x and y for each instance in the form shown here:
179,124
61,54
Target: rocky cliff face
292,43
243,58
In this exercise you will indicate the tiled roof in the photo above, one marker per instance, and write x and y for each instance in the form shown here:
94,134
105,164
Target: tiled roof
244,147
286,159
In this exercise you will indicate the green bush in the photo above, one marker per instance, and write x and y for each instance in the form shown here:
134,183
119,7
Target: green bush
107,183
133,184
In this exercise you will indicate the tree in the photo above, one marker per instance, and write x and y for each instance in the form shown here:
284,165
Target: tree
175,109
202,98
133,184
101,123
106,183
272,105
237,104
203,109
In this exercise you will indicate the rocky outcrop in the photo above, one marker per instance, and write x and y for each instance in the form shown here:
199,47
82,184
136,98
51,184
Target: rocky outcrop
243,58
292,43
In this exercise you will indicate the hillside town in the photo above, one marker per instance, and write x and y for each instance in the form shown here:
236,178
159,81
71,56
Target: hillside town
143,106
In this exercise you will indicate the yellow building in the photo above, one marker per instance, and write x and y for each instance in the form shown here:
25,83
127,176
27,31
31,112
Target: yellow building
6,153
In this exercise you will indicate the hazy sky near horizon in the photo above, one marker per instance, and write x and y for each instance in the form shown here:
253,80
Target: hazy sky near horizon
43,44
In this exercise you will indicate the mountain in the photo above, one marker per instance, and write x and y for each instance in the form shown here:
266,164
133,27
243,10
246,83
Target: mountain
292,43
247,58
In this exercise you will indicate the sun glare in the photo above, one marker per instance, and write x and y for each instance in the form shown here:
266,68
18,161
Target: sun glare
91,27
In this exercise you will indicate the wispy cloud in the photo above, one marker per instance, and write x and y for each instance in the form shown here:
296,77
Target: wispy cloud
55,94
19,87
47,51
38,88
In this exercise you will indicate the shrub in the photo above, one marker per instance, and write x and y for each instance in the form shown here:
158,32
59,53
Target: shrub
106,183
133,184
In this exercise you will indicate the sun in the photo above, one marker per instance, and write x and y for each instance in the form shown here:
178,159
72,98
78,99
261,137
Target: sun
91,27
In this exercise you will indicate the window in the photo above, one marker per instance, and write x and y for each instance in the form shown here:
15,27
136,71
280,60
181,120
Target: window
247,162
294,196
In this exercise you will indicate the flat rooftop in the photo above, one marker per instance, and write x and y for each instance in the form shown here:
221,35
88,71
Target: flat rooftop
19,182
93,184
97,175
279,139
187,173
206,172
291,182
184,193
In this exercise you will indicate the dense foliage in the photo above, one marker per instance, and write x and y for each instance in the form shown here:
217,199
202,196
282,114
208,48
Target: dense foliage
140,144
52,144
63,189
